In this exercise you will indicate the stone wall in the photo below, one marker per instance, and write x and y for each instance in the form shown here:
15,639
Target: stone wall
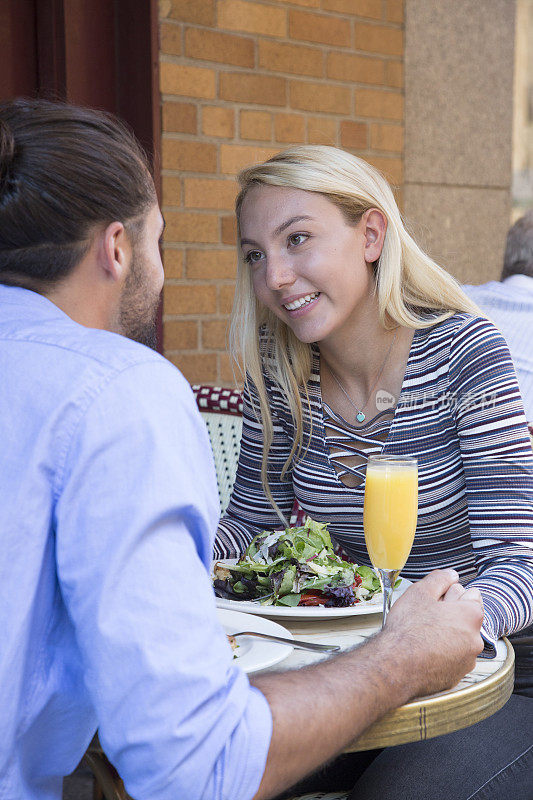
459,68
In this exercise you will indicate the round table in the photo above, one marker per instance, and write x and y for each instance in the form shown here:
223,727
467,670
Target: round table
481,692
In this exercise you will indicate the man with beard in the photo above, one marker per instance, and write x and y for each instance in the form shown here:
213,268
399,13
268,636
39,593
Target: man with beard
109,508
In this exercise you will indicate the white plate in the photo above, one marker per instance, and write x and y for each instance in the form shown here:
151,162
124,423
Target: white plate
374,606
255,654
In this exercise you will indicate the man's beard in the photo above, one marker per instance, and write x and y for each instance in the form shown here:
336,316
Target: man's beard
138,307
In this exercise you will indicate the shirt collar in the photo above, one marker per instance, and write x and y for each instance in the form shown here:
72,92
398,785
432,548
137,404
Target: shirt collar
17,296
519,282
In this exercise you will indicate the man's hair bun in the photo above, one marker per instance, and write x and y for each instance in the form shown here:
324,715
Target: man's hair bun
7,152
63,170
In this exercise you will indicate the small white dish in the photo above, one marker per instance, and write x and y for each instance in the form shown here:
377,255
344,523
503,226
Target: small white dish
255,654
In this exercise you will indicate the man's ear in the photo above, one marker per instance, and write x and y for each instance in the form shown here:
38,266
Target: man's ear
375,228
115,252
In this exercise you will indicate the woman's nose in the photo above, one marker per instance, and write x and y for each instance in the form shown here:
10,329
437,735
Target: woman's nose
279,273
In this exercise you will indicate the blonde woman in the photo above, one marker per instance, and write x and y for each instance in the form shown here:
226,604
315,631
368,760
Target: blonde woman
354,342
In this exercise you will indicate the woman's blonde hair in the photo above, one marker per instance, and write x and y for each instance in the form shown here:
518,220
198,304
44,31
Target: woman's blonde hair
408,283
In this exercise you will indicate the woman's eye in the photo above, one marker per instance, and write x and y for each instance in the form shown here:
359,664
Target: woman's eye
253,256
297,238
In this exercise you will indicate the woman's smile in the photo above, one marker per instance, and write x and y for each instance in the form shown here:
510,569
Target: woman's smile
299,306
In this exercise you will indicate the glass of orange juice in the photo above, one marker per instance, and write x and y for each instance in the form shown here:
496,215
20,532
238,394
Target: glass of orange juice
389,517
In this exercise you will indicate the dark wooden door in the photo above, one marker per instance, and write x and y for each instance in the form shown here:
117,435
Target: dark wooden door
99,53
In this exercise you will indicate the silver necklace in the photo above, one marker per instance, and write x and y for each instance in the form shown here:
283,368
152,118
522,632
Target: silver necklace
360,415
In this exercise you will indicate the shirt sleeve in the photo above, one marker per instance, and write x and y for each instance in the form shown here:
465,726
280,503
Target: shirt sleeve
135,518
249,511
498,467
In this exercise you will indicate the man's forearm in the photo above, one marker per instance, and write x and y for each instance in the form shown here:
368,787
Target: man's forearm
317,711
430,641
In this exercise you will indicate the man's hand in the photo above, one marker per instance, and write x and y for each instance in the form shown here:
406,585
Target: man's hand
437,622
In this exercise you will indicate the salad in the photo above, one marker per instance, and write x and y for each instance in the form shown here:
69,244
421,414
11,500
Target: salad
295,567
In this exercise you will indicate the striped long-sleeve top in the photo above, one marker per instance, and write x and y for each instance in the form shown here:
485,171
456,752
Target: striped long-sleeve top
461,415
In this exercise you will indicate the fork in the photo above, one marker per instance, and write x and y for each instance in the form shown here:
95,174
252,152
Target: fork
317,648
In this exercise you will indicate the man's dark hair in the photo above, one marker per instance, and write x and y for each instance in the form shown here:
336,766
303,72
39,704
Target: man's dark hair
518,259
63,171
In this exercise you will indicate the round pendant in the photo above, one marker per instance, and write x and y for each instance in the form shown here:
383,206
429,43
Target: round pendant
360,417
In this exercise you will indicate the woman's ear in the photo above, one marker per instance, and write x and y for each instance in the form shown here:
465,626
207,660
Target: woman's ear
375,227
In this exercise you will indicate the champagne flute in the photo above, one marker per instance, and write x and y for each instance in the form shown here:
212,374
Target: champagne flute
390,516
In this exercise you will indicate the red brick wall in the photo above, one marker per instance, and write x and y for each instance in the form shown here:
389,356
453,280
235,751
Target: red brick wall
241,80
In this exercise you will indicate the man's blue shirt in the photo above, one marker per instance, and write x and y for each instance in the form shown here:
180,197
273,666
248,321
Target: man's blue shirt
107,616
509,305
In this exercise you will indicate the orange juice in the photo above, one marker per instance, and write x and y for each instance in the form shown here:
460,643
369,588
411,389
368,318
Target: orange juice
390,513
